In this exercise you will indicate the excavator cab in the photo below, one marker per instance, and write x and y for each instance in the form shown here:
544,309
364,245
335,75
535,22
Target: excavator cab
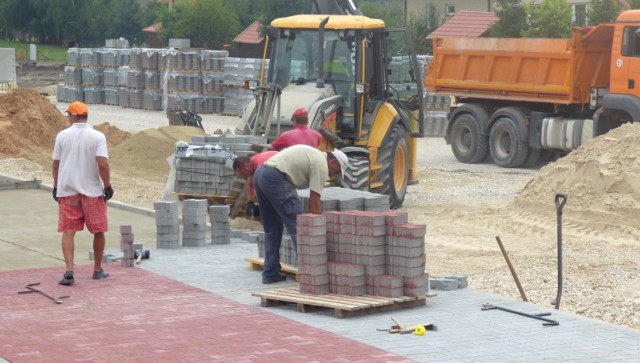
361,85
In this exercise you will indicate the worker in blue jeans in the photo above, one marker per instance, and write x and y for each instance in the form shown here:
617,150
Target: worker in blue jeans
275,182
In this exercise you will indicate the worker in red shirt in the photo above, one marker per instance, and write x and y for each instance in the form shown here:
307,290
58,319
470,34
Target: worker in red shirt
301,134
245,166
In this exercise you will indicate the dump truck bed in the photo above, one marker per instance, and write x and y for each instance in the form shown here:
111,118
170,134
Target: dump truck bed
557,71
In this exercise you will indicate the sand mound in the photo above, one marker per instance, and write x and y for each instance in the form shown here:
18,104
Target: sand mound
145,153
602,176
114,135
28,123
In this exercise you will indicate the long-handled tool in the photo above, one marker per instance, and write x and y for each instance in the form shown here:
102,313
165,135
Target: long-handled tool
31,288
561,199
547,322
513,271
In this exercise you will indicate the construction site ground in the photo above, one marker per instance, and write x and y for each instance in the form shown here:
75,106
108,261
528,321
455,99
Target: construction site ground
196,304
464,207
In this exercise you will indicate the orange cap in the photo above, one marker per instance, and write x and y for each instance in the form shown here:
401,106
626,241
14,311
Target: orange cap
78,108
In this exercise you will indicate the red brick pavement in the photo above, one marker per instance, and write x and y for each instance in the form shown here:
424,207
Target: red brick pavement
138,316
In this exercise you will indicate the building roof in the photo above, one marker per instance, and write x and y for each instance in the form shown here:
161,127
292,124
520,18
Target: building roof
466,24
152,28
251,35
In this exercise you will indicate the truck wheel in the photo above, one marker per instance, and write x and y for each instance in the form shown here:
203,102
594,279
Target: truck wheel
357,174
394,173
467,143
505,141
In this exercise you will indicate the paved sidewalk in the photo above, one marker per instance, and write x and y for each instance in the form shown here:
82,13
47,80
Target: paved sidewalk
195,304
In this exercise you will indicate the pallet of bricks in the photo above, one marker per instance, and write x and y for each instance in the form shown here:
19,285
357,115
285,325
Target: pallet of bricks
204,166
236,72
91,74
357,262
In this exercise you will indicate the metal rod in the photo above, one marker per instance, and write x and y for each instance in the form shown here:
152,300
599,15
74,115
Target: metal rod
547,322
513,270
560,200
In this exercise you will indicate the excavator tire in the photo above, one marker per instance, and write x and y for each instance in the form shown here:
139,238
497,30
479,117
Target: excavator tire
357,175
394,173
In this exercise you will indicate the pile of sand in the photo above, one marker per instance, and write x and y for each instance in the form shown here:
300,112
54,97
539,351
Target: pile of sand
29,124
601,177
145,153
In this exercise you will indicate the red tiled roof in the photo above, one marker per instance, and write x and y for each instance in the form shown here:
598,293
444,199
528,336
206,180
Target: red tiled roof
251,35
466,24
152,28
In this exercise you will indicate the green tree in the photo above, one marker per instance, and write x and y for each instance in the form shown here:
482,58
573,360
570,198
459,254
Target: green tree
551,20
208,23
273,9
512,19
602,11
391,12
422,24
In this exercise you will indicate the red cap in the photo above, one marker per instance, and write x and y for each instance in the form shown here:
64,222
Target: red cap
300,113
78,108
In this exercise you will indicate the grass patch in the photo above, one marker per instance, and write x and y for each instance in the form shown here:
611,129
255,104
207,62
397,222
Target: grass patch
49,53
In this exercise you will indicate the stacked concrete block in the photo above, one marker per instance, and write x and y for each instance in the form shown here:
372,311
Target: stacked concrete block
72,75
207,170
387,285
123,96
167,225
152,100
370,244
312,254
136,98
220,226
110,77
288,253
405,253
126,245
94,95
194,222
347,279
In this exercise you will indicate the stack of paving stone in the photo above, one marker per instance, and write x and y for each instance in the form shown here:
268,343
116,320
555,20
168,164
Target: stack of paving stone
220,226
332,199
152,94
167,225
236,72
126,245
312,254
346,279
194,222
184,80
212,80
205,167
376,253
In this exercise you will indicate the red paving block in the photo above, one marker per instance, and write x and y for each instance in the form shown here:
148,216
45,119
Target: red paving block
138,316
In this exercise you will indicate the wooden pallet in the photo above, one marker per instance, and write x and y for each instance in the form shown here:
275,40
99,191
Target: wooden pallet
345,306
257,263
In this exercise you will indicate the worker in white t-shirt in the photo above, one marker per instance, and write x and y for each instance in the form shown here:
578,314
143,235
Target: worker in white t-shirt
81,186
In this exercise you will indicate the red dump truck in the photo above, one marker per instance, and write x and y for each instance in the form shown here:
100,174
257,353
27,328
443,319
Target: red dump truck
516,98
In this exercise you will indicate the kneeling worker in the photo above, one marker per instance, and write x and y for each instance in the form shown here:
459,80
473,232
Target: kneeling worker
275,182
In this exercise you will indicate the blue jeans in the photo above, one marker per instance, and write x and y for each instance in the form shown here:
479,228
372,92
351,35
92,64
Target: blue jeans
279,204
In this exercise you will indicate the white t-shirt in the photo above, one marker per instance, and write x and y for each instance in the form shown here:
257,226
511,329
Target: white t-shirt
77,148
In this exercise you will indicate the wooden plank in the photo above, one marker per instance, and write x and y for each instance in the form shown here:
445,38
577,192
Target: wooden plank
344,305
257,263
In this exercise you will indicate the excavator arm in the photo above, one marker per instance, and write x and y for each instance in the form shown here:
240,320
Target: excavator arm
334,7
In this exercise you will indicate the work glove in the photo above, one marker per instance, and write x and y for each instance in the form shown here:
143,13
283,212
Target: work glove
55,192
108,193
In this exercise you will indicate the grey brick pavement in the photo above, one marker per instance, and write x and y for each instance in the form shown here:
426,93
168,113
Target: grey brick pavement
465,332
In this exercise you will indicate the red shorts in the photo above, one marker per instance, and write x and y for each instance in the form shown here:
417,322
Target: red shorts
77,210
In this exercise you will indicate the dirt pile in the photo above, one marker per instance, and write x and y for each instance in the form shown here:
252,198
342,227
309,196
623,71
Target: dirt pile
114,135
29,123
601,177
145,153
